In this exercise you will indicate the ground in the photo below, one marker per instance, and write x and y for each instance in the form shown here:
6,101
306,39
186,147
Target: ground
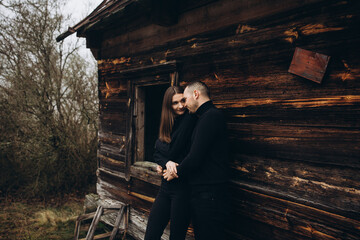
36,220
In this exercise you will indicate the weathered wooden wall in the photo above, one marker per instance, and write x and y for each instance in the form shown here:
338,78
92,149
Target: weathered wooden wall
295,143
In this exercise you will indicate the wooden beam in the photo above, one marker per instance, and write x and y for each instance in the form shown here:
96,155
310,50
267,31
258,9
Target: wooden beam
301,220
146,198
164,12
145,175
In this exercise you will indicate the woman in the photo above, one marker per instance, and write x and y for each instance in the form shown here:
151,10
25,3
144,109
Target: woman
172,201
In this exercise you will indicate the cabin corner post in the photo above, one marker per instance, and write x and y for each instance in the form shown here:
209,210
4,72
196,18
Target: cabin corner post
99,126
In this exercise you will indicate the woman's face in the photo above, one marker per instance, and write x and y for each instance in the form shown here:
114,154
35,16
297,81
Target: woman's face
177,104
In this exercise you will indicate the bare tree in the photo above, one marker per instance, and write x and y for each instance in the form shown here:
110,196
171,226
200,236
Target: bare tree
48,97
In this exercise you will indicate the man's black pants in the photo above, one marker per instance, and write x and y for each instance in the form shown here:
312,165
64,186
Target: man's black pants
209,207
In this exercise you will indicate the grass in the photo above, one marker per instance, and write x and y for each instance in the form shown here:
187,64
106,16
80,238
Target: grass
38,221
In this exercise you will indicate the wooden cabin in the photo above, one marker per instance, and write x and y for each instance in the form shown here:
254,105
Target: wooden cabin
285,73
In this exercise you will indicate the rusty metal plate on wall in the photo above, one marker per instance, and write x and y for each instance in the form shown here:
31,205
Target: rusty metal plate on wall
308,64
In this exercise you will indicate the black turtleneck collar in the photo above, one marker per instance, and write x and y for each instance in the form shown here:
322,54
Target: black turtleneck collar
204,107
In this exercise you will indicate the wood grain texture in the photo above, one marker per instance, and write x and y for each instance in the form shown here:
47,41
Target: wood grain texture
303,221
309,64
295,144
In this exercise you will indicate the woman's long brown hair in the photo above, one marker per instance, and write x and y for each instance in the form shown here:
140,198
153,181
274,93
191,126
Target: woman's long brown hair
167,114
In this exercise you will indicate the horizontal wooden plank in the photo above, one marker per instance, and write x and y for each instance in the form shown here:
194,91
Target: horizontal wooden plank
142,196
134,188
113,104
114,123
111,164
324,187
110,176
342,100
266,31
329,146
109,190
300,135
302,220
200,20
144,187
269,79
115,76
114,139
145,175
110,87
109,67
342,117
112,151
324,155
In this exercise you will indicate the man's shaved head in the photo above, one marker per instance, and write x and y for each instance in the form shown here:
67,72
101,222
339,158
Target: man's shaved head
200,86
195,94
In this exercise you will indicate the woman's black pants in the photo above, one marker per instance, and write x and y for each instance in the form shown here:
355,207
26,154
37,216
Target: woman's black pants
171,203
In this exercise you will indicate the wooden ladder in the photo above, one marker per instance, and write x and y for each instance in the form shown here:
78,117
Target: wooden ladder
96,216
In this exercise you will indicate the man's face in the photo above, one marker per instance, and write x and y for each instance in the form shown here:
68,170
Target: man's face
190,102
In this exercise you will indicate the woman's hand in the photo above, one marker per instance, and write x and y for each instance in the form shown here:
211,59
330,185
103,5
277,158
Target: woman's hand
171,167
159,170
169,176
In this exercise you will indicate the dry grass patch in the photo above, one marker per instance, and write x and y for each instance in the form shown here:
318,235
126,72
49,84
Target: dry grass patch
19,220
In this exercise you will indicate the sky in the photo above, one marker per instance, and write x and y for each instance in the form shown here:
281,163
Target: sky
79,9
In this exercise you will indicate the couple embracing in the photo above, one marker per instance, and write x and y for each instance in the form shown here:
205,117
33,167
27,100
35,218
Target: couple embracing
192,156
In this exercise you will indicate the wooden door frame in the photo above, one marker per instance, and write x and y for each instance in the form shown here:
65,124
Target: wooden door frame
139,78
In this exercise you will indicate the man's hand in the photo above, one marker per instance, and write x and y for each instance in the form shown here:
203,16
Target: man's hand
159,170
171,167
169,176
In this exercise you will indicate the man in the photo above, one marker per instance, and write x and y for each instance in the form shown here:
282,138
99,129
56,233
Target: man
205,166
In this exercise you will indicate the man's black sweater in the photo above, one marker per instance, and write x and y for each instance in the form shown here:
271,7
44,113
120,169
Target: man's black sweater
207,160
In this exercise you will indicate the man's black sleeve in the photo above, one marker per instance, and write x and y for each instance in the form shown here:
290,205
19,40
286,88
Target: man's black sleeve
207,130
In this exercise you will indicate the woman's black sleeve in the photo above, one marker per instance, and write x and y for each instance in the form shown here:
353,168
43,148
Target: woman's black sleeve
183,136
160,156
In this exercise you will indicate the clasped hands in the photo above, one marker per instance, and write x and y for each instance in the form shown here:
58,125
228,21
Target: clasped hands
170,172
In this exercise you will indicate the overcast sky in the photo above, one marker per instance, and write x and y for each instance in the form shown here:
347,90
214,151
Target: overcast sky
79,9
